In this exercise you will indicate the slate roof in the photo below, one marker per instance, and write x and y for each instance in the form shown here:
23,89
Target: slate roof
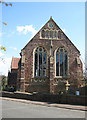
14,63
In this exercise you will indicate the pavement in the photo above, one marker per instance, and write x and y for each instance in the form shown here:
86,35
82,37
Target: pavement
65,106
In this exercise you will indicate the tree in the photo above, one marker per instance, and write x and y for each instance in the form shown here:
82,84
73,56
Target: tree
6,4
3,80
3,48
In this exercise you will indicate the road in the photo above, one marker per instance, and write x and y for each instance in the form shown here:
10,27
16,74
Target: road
13,109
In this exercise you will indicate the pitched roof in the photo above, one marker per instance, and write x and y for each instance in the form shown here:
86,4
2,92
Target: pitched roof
51,19
14,63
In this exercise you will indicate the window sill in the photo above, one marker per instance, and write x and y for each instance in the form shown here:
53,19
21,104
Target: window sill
42,77
61,77
52,38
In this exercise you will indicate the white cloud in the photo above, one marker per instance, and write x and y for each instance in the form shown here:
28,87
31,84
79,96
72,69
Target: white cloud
14,48
20,28
5,64
26,29
1,54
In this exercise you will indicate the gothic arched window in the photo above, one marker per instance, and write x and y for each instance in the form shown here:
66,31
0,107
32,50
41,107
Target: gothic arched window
61,62
59,34
55,34
51,34
40,62
47,34
43,33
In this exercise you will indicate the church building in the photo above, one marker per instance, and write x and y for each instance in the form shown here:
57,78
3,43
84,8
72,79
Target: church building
50,62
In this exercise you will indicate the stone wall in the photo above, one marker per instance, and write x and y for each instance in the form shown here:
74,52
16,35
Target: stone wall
64,99
28,65
27,79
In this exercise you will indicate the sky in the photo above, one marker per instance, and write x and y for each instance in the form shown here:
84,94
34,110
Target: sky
24,19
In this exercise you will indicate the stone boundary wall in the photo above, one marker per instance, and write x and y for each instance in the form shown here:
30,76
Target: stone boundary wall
63,99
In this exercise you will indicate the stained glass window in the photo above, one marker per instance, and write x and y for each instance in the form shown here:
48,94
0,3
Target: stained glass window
61,62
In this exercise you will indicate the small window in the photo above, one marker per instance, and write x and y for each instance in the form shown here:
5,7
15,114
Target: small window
47,34
59,34
55,34
51,34
43,34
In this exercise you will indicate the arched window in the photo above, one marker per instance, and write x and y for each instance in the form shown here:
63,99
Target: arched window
61,62
59,34
43,34
51,34
47,34
40,62
55,34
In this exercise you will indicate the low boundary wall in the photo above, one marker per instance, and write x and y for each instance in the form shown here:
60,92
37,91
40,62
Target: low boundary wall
65,99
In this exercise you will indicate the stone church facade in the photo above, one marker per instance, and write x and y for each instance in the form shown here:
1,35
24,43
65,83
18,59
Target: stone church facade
49,61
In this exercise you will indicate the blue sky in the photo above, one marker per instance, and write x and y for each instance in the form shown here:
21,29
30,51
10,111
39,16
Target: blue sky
24,19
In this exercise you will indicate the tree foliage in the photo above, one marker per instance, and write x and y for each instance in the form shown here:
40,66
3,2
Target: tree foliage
2,48
6,4
3,81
